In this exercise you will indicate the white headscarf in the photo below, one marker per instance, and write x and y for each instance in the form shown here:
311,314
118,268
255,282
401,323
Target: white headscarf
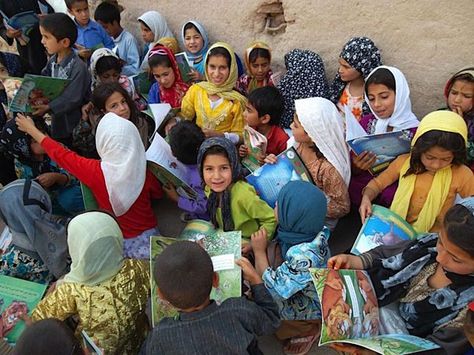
99,53
96,248
402,116
323,123
123,161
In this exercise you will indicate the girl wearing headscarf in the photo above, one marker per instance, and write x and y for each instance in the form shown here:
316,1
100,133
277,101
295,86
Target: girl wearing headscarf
318,130
303,238
258,57
305,77
169,86
358,58
388,96
155,30
38,250
106,292
120,181
430,177
196,44
232,203
214,104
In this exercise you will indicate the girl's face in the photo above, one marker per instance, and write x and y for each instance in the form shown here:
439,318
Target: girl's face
298,131
117,104
217,172
217,69
147,35
436,158
259,68
193,40
461,95
452,258
381,100
110,76
163,75
347,72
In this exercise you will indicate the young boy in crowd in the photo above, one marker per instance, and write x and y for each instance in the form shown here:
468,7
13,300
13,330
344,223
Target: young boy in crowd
90,35
263,112
184,275
59,33
126,46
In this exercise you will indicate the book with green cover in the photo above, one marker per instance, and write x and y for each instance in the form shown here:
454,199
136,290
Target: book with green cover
183,66
17,297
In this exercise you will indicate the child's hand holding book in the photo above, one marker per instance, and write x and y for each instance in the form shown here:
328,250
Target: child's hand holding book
345,261
250,274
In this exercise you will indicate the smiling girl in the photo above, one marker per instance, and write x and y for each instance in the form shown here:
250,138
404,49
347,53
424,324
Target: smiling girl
196,44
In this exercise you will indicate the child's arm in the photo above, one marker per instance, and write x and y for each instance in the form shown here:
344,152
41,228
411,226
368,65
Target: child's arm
131,56
107,41
59,304
237,126
335,189
258,209
188,111
49,179
259,241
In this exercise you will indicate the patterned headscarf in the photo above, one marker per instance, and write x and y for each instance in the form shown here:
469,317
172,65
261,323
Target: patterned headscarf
98,54
363,55
305,77
253,82
175,93
197,59
12,63
213,199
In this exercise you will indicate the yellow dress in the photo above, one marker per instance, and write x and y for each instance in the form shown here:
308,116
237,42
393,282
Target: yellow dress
112,313
226,117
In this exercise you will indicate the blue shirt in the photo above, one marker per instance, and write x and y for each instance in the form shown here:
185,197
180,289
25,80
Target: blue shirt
126,48
93,35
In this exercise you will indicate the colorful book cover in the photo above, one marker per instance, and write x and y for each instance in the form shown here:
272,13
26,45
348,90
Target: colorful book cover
17,297
142,83
36,90
183,66
351,315
90,203
269,179
24,21
386,147
223,248
257,146
383,227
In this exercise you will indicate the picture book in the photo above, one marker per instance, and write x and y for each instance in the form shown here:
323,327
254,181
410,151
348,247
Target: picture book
383,227
90,203
17,297
269,179
223,248
142,83
5,239
24,21
36,90
351,315
184,66
168,169
161,115
386,147
257,146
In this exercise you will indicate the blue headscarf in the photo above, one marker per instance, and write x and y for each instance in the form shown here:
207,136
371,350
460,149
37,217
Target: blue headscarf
302,209
198,57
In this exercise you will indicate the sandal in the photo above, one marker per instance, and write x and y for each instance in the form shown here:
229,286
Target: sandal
299,345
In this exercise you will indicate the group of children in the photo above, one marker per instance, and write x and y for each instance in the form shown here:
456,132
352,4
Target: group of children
98,137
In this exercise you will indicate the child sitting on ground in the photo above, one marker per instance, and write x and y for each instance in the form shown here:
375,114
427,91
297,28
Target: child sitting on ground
232,203
303,239
430,177
196,44
126,46
262,112
184,276
185,138
59,34
103,290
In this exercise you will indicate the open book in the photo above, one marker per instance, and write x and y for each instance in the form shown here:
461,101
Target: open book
269,179
383,227
351,315
33,90
17,297
161,115
257,145
142,83
222,247
184,66
167,168
24,21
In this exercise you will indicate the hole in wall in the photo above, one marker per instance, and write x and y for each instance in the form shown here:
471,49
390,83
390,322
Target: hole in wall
273,16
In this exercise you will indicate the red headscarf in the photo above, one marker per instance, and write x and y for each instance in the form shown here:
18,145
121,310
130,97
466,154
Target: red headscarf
175,93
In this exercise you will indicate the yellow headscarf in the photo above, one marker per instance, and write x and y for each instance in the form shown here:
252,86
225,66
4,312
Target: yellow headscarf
226,90
443,121
96,247
254,45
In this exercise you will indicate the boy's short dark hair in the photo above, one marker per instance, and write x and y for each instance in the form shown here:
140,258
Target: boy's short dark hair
60,26
267,101
48,336
70,3
107,13
185,139
183,273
